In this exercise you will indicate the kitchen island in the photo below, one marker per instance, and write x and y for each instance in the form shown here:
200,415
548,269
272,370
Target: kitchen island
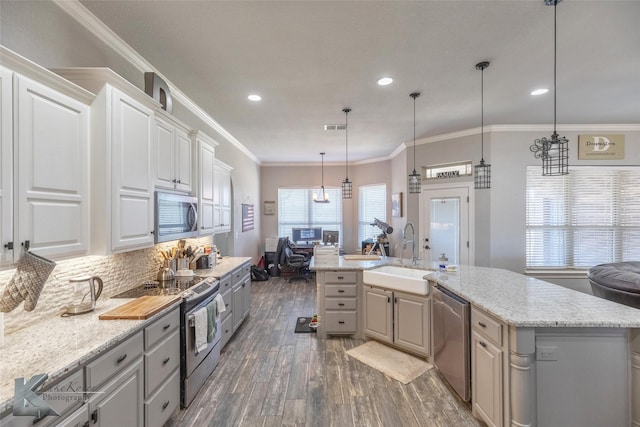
541,354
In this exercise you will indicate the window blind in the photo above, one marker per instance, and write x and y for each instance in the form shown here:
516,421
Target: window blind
589,217
372,203
296,208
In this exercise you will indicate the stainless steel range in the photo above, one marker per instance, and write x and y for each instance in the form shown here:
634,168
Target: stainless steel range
195,367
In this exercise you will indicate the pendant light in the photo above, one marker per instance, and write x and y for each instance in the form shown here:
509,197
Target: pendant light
347,186
554,152
482,172
324,196
415,182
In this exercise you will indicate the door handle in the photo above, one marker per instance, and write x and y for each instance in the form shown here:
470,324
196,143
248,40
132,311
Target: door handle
427,247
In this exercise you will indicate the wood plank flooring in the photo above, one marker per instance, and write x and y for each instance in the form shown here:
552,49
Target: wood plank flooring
270,376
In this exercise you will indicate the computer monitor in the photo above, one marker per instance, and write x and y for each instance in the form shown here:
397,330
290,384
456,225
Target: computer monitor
306,234
330,237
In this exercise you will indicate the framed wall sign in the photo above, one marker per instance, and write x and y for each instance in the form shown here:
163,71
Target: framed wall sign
247,217
396,205
600,147
269,207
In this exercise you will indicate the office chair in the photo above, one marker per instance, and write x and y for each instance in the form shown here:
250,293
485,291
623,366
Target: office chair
298,261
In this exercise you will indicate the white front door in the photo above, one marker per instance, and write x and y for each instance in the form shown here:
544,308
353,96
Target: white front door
445,224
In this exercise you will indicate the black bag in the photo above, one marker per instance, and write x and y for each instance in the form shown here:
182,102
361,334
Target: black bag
258,274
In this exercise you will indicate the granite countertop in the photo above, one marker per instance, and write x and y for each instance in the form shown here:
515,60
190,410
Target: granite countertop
223,266
516,299
60,345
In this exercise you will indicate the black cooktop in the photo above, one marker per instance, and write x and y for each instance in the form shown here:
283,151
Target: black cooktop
153,288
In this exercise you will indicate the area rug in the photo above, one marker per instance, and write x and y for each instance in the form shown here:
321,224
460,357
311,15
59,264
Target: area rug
302,325
393,363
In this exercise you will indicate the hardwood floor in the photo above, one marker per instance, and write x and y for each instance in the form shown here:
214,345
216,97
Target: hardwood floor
270,376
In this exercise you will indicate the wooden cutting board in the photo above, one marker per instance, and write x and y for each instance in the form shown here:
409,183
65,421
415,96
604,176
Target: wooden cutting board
140,308
361,257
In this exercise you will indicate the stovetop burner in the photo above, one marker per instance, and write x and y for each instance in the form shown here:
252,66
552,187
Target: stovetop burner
153,288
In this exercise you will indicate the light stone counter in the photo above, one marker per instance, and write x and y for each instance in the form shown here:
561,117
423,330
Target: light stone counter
223,266
60,345
517,300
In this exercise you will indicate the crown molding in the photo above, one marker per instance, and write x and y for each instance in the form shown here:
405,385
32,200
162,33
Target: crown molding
88,20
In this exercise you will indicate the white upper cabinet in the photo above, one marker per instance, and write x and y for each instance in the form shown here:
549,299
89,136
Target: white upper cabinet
44,156
173,154
206,194
123,133
222,197
6,168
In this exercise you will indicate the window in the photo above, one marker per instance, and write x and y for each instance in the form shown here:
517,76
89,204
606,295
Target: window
589,217
296,209
372,203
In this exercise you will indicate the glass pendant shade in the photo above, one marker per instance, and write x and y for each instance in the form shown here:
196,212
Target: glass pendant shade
415,180
482,175
415,184
347,189
324,196
553,151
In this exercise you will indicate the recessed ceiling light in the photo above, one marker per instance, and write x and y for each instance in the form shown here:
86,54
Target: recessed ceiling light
539,92
254,97
383,81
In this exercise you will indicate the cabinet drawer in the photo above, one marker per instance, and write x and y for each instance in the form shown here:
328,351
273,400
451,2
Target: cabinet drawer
486,326
161,329
226,283
161,362
114,361
340,303
227,330
227,298
340,277
339,322
340,290
160,407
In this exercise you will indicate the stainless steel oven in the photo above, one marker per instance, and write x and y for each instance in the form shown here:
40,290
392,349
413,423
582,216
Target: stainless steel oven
198,365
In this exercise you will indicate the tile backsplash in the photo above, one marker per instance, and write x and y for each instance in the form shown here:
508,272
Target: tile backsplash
118,272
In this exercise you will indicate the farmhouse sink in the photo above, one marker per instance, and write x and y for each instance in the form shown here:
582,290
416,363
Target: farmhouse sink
398,278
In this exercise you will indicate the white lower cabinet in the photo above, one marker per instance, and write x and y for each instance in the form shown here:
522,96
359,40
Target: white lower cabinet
398,318
119,402
338,312
241,295
162,369
487,367
79,418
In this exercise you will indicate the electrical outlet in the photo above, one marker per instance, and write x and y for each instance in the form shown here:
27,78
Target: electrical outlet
547,352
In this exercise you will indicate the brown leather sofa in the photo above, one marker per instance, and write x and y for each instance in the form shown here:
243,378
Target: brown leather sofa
617,281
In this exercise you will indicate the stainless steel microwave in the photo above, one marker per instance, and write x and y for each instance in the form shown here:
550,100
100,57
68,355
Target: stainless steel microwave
176,216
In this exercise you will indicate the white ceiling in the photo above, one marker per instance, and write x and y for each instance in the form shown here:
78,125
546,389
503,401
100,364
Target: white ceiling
310,59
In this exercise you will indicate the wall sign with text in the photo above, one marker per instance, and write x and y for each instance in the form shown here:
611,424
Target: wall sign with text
600,147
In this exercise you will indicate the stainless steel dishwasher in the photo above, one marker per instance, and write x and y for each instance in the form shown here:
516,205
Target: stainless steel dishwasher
451,340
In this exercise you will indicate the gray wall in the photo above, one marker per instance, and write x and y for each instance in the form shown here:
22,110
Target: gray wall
43,33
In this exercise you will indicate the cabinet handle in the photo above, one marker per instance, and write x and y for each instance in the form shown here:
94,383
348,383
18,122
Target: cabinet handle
340,304
26,245
121,358
341,322
388,300
226,305
167,326
340,277
94,416
86,424
165,361
9,246
152,232
482,344
340,291
226,331
395,300
179,182
482,324
164,406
